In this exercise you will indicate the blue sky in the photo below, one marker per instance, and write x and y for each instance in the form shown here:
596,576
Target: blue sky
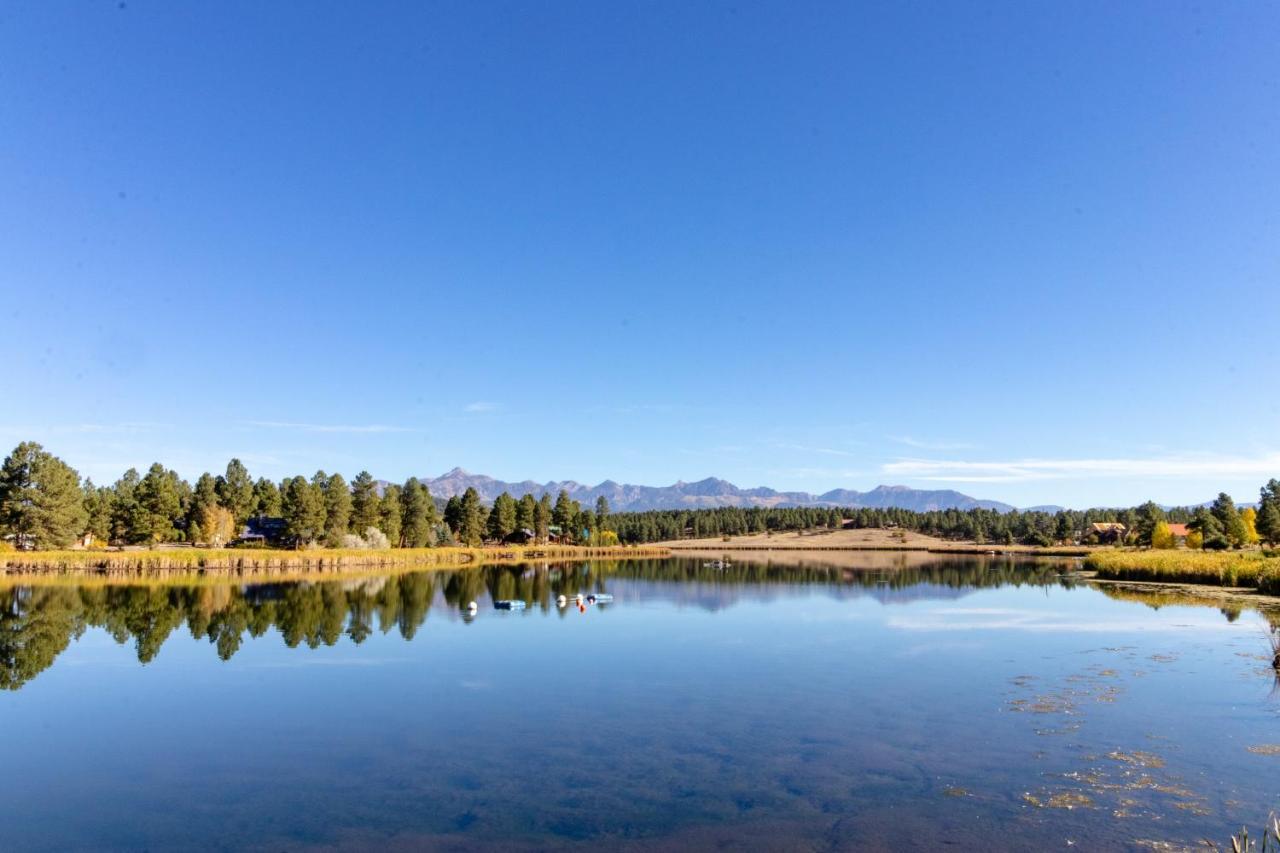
1029,251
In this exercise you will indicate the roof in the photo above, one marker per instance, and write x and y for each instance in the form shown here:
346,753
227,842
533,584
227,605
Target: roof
1108,526
1178,529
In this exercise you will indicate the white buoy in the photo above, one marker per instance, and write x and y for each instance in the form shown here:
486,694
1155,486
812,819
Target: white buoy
561,601
472,607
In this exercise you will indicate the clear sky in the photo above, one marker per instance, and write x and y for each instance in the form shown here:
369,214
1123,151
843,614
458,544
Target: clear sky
1026,250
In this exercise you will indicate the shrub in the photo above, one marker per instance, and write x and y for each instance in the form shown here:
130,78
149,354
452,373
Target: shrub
375,538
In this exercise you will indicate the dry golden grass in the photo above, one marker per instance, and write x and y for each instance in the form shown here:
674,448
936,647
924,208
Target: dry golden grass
871,539
276,562
1217,568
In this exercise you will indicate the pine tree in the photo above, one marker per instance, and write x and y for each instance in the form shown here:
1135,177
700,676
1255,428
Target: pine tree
471,521
266,499
124,505
365,511
526,512
563,516
602,512
390,514
41,502
418,516
1224,510
542,518
204,497
302,506
1268,523
337,510
235,492
1209,529
502,518
157,506
1148,515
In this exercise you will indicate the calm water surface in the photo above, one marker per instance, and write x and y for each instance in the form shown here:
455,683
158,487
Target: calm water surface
985,704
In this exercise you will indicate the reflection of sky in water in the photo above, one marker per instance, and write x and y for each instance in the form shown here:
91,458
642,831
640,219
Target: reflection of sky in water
788,715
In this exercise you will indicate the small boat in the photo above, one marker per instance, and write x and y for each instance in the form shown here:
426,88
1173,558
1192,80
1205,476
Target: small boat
599,598
509,604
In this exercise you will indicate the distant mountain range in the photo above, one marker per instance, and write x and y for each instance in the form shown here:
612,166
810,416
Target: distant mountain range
708,494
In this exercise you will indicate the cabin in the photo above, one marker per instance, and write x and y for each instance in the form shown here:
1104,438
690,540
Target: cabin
523,536
1179,531
265,531
1108,531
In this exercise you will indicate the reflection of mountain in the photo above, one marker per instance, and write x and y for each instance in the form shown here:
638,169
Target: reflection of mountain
38,622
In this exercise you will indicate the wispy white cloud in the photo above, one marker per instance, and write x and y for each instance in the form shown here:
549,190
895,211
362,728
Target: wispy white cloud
823,474
805,448
1024,470
918,444
481,406
348,428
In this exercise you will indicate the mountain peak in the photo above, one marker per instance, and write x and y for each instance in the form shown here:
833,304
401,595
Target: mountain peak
709,493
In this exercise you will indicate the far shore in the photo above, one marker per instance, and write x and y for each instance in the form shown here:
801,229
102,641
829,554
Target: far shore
870,539
264,562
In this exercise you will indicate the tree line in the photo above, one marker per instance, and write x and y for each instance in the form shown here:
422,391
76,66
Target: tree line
1220,525
45,504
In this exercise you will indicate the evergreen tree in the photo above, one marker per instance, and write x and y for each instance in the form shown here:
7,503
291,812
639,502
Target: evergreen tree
1268,522
602,512
1224,510
502,518
390,514
526,513
124,505
337,510
1209,529
563,516
1148,515
203,499
471,530
235,492
157,506
453,514
303,509
418,516
266,499
41,502
97,506
542,518
365,509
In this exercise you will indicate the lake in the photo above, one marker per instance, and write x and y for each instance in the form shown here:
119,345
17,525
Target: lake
887,702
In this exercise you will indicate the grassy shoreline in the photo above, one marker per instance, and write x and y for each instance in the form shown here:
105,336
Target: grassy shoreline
269,562
1249,569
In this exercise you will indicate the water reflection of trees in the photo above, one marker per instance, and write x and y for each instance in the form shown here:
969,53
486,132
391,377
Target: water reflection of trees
37,623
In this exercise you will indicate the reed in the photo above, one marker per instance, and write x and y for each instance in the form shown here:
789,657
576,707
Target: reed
320,561
1216,568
